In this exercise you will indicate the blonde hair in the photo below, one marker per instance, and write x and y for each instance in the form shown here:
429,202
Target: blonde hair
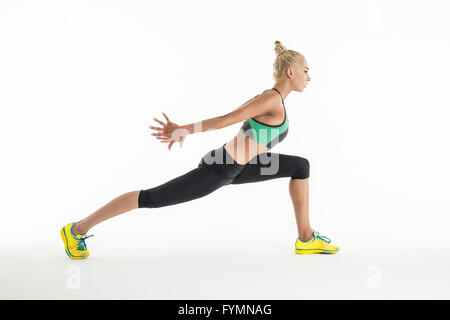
285,59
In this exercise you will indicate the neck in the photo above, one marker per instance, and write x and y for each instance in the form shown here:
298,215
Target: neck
283,88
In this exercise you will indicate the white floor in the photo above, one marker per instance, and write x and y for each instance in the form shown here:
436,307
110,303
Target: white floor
258,269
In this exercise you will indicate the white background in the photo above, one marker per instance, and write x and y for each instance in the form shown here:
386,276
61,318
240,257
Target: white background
80,82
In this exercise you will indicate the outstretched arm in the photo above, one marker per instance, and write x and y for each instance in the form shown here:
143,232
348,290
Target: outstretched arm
206,125
259,105
171,132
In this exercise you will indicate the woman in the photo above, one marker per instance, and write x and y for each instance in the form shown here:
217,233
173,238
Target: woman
243,159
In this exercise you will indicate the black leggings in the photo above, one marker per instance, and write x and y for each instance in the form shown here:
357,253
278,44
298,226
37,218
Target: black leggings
217,169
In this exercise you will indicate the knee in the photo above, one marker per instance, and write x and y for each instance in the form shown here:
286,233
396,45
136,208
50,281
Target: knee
301,168
145,200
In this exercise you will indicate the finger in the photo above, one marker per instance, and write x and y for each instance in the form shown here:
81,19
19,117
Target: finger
159,134
170,144
159,121
155,128
166,117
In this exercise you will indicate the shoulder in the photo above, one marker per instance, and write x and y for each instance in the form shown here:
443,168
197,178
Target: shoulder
270,97
273,100
270,93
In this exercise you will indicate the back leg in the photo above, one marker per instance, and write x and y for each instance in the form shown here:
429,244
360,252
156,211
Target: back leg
194,184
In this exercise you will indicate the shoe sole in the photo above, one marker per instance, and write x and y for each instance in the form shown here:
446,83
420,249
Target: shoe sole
66,246
311,251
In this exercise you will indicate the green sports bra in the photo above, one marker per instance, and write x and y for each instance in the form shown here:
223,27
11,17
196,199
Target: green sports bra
266,134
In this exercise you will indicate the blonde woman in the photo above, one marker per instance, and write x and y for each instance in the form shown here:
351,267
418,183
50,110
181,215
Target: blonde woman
246,158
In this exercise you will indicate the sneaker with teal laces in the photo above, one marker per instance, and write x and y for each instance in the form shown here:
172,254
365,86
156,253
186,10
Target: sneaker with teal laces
317,244
74,245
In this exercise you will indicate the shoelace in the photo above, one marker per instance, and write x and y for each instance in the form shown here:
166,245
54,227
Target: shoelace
327,240
81,245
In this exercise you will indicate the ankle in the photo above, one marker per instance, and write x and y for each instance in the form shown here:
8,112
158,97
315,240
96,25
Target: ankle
306,236
77,229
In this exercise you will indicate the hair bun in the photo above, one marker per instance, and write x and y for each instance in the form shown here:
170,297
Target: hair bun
279,48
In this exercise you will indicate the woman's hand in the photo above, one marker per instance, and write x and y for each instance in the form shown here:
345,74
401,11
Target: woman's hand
170,132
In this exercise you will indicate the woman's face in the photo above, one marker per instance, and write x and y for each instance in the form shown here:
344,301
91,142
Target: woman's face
300,75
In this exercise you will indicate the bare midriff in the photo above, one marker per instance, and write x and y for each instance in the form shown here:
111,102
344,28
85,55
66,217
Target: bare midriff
242,149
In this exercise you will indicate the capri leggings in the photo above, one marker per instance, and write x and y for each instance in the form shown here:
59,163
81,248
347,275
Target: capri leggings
217,169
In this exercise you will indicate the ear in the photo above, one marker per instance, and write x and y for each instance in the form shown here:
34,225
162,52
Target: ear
289,72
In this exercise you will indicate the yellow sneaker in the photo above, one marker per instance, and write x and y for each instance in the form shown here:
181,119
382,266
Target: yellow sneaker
74,244
317,244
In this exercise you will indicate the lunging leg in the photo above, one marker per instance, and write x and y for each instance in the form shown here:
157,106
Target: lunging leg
284,165
299,191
